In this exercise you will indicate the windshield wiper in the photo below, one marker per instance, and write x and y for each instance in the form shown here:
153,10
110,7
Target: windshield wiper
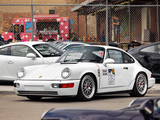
68,62
88,60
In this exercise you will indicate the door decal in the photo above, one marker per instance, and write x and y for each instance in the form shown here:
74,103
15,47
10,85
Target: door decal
111,76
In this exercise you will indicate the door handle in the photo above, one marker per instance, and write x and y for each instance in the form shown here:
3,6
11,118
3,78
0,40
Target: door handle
125,68
10,62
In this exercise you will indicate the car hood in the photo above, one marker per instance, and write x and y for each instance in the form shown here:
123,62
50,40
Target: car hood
53,71
49,60
88,114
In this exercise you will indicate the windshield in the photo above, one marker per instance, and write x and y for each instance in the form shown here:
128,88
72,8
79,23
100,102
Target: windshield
48,50
83,54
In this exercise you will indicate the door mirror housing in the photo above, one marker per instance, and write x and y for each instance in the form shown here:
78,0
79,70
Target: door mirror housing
147,108
108,61
31,55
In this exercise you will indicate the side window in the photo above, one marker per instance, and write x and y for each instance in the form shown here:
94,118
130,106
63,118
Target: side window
158,49
47,50
127,58
21,50
116,56
4,51
107,56
22,28
11,29
150,49
69,46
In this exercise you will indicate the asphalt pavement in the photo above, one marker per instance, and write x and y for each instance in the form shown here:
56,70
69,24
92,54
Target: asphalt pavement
10,89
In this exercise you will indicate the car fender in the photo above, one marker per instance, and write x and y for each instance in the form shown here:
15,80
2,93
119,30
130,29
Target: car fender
81,70
135,73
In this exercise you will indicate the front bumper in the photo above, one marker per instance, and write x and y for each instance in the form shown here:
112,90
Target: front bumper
44,88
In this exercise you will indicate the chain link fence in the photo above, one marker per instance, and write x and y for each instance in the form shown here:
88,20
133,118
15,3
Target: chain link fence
88,22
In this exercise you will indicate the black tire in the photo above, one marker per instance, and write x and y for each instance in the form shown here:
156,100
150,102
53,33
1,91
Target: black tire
34,98
87,88
140,86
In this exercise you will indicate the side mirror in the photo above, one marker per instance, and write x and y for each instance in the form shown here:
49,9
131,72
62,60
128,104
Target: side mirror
31,55
108,61
147,109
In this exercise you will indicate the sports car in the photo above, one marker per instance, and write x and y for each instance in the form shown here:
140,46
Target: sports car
84,71
147,109
17,55
149,57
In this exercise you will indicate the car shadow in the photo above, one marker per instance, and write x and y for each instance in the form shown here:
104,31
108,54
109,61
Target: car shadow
6,83
73,99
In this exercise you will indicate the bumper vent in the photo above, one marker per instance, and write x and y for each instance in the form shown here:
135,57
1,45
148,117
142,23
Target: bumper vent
44,93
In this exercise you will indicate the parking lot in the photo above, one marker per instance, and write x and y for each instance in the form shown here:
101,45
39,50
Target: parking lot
14,107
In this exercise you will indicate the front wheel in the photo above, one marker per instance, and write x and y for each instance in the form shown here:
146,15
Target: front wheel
140,86
87,88
34,98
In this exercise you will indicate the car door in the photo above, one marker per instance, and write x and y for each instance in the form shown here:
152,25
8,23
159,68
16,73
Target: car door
119,73
18,59
151,58
4,52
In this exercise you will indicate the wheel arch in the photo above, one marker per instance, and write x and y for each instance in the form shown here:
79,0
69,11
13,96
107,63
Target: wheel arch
131,86
93,75
145,75
142,73
135,92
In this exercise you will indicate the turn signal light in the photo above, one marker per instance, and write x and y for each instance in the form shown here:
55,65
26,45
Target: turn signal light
70,85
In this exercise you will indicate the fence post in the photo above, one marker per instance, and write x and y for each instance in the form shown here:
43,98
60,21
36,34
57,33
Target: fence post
106,22
86,37
31,21
129,10
77,25
157,13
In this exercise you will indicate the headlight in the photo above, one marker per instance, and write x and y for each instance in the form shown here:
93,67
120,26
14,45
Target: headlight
21,73
66,72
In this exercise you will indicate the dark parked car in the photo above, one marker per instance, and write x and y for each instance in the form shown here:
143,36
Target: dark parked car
149,57
140,109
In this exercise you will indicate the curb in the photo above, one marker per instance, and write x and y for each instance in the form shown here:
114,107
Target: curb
7,92
152,91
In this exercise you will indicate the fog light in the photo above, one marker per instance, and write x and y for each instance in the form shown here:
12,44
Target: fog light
16,85
55,85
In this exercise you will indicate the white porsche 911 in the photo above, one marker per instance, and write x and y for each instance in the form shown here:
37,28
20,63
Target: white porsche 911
84,71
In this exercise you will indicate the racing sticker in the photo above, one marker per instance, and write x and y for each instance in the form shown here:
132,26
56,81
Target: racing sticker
111,77
104,71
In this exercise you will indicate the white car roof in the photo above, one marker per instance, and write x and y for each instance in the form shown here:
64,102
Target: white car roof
29,43
108,47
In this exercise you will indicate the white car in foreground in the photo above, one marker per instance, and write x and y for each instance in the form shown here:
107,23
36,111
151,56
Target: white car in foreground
83,72
14,56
